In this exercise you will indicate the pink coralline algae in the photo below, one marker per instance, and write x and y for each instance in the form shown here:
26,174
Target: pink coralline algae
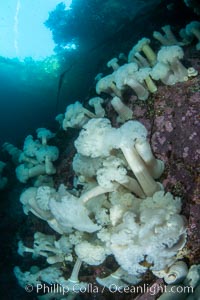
173,119
138,111
194,233
176,122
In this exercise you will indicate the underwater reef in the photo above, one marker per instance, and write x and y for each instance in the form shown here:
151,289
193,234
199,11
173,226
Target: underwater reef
112,197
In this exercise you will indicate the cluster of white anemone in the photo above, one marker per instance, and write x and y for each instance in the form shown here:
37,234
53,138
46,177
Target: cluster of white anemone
138,72
117,206
144,66
120,210
36,159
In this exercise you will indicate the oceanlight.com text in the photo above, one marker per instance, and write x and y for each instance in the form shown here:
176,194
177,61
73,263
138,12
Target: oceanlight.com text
112,288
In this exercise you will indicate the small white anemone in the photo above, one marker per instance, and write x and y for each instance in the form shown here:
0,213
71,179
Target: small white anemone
97,102
171,55
124,112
